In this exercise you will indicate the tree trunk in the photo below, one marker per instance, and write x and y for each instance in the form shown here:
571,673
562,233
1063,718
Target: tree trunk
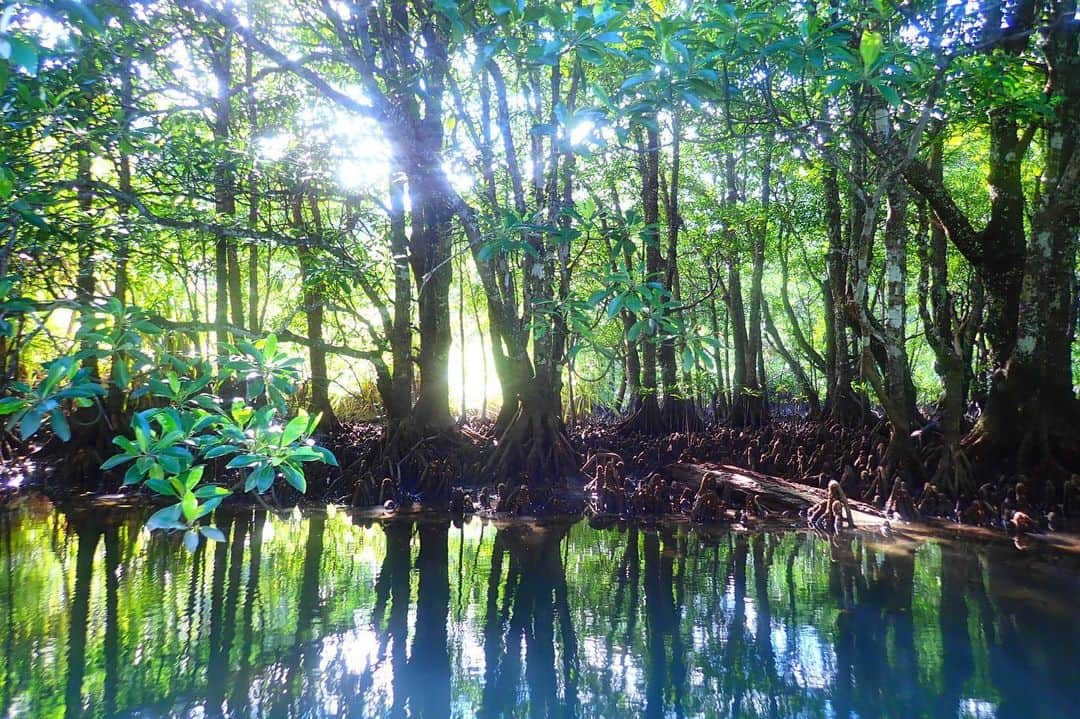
631,366
843,406
719,397
314,310
747,406
679,412
224,192
806,387
534,448
648,419
951,338
1028,285
898,376
429,256
747,409
754,349
397,399
253,189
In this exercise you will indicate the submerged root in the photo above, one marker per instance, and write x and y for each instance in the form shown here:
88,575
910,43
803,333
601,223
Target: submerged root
418,467
534,450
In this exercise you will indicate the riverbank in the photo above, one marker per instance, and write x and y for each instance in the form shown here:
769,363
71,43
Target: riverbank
795,471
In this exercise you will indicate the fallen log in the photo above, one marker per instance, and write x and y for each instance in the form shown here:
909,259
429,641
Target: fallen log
744,483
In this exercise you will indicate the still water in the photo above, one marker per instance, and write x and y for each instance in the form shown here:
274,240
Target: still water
327,615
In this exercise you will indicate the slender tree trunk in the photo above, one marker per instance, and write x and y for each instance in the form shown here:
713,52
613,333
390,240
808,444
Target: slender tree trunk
253,188
314,311
679,413
648,419
754,342
483,355
632,364
397,400
463,416
842,405
123,171
120,284
719,399
747,407
84,280
224,191
951,338
806,386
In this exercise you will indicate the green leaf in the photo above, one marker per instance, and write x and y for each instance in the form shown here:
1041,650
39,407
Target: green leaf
204,423
220,451
142,430
116,461
244,460
211,490
294,429
870,46
209,506
30,424
169,464
615,304
295,477
121,374
21,53
687,360
891,96
255,388
167,518
502,8
134,474
60,425
596,298
194,476
327,456
262,478
191,540
305,454
212,533
161,487
126,444
190,506
11,405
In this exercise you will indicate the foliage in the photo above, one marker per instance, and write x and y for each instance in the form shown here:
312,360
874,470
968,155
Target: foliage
64,384
237,175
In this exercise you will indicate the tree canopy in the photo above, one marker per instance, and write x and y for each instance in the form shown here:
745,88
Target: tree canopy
676,212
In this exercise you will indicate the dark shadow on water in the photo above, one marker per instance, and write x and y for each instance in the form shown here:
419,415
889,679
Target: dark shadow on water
88,534
525,674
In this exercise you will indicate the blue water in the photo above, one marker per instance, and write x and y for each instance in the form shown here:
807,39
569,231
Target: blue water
327,616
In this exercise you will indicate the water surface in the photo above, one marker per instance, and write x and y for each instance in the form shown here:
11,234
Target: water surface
326,615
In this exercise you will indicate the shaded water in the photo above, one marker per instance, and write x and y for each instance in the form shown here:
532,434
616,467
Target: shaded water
324,616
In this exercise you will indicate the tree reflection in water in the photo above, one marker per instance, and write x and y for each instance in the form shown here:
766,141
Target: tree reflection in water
331,616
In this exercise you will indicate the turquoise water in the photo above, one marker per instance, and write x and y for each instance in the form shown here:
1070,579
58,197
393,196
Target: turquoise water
324,615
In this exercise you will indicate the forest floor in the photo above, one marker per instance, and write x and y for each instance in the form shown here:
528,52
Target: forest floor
779,473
